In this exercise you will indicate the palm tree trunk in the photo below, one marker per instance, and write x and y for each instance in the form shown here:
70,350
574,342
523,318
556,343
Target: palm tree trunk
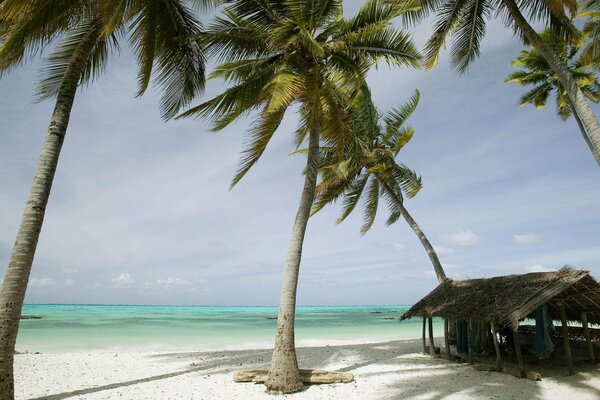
15,281
399,204
284,375
582,129
580,105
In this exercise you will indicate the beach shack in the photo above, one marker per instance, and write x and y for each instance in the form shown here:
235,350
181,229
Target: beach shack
489,312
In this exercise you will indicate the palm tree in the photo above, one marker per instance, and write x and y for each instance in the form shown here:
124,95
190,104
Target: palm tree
535,71
465,21
275,54
368,165
86,32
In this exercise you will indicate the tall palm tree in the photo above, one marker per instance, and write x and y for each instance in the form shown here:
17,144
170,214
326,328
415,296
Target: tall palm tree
275,54
465,21
367,165
535,71
86,31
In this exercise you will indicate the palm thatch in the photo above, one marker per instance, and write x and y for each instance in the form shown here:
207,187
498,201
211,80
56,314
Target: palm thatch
505,300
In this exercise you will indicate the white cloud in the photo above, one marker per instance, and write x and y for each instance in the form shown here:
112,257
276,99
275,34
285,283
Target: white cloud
169,282
462,238
123,280
526,239
537,268
398,246
443,251
41,282
69,282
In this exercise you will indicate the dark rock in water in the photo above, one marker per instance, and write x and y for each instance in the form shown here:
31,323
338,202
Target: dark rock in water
31,316
376,312
271,317
388,317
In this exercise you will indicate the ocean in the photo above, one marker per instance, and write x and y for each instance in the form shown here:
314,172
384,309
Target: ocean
79,328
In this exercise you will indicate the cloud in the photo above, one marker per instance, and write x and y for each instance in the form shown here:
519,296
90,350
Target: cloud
537,268
42,282
398,246
169,282
462,238
123,280
443,251
69,282
527,239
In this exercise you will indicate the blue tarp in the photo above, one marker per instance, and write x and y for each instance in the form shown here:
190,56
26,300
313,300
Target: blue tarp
543,342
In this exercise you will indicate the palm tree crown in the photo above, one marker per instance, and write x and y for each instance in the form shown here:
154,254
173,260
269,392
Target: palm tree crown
159,33
535,71
369,162
274,54
465,21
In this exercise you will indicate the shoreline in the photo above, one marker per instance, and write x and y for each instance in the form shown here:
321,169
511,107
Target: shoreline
383,370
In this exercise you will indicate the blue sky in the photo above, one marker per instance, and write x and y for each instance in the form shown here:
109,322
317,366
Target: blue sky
141,213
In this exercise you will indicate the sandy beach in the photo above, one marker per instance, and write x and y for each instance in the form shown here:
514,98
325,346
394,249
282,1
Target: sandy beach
390,370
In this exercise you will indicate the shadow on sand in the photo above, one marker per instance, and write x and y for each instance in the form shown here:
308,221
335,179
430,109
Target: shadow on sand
398,366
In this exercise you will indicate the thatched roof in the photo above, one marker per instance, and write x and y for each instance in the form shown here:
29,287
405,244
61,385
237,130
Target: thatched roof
507,299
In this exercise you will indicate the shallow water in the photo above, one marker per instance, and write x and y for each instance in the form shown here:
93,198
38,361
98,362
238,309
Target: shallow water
75,327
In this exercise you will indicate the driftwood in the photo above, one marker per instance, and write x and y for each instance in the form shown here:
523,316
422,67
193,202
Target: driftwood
31,316
531,375
306,375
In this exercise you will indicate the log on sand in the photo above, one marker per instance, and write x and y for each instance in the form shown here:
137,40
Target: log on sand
313,376
531,375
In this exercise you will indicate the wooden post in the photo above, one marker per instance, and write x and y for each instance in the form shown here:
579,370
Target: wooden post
446,339
470,341
517,341
431,346
496,347
566,341
424,343
588,339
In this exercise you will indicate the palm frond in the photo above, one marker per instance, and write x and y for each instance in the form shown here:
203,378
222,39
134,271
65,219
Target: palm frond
396,117
62,58
352,196
469,32
447,19
371,204
260,134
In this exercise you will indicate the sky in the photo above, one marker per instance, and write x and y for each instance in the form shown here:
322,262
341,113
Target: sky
141,211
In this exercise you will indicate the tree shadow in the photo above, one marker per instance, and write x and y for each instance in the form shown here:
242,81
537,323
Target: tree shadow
391,370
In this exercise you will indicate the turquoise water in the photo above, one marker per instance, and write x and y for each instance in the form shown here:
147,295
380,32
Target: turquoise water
160,328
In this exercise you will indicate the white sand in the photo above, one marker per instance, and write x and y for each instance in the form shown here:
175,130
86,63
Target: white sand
392,370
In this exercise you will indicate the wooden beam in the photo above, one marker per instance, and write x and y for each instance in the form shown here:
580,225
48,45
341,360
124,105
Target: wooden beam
424,343
446,339
566,341
517,341
496,346
470,341
431,346
588,339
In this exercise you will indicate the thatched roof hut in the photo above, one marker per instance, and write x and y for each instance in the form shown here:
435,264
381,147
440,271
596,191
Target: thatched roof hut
504,300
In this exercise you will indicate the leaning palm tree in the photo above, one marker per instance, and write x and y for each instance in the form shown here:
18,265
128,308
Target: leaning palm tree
276,54
535,71
368,166
465,21
86,32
